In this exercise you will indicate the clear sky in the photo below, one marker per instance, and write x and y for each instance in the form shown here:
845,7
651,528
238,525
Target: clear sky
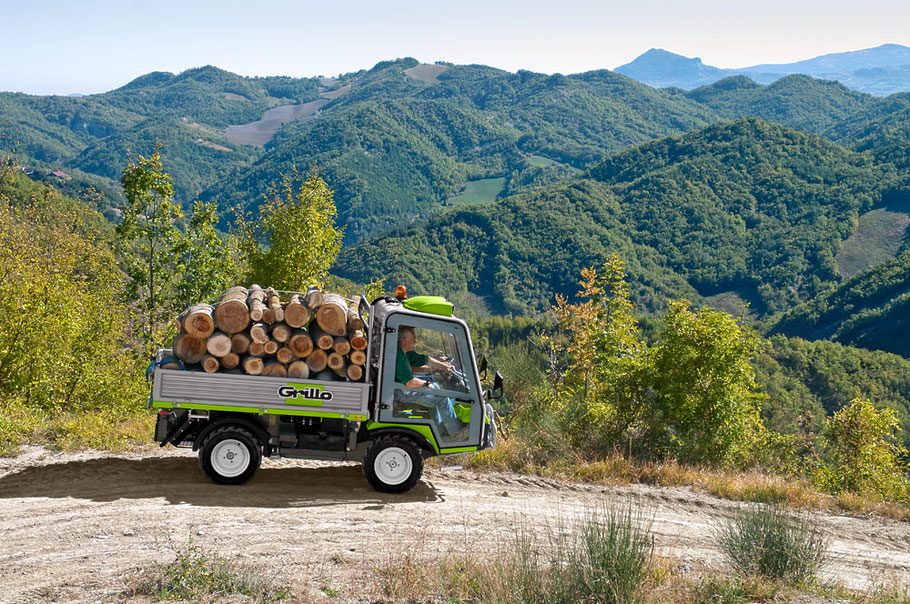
86,46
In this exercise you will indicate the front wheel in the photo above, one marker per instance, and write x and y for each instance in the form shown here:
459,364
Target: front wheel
230,455
392,464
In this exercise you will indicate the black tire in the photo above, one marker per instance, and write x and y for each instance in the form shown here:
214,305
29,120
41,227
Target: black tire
230,455
392,464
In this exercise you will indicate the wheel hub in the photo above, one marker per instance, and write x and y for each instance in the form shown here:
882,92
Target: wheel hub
393,465
230,458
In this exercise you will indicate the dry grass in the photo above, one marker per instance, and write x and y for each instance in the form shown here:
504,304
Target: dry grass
753,486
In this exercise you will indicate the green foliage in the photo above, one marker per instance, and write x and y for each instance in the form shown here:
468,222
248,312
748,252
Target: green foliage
294,242
210,264
150,241
864,456
769,542
197,575
63,325
703,406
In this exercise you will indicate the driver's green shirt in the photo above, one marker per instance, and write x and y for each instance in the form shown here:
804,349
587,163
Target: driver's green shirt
403,363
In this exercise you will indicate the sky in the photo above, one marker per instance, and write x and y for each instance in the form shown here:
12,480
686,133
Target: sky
89,46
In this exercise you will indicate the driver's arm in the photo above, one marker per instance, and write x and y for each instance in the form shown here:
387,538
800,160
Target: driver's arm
416,382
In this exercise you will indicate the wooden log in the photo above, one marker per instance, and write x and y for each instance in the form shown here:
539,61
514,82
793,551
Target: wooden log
252,365
210,364
358,357
313,298
335,362
231,313
354,320
189,349
257,349
285,355
317,360
271,347
273,312
341,345
280,332
332,315
218,344
230,360
355,373
255,301
321,339
300,343
198,320
299,369
358,340
296,314
260,333
274,369
240,343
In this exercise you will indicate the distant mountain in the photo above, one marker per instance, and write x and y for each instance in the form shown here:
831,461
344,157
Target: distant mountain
881,71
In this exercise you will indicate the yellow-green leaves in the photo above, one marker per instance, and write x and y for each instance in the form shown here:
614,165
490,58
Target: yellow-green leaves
294,242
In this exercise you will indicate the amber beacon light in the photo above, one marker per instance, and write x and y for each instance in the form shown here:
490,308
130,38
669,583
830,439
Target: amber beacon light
401,292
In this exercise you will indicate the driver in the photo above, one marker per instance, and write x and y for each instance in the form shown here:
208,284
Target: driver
407,361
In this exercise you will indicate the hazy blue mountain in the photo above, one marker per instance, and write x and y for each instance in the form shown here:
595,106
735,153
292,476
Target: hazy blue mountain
881,71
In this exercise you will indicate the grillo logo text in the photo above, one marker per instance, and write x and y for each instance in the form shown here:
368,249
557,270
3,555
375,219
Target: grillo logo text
313,393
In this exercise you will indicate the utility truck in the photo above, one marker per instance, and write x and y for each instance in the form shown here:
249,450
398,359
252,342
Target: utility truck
234,420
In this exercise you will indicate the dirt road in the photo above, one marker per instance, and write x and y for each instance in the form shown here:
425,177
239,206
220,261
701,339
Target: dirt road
73,527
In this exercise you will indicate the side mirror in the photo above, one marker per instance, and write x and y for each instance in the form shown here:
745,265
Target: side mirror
482,369
496,393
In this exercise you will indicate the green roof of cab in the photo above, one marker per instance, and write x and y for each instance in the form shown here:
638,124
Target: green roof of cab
434,305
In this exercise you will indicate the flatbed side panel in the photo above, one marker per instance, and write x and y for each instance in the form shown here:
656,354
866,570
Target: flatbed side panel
268,394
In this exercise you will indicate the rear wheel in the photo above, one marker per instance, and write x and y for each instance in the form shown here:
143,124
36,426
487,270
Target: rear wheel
230,455
392,464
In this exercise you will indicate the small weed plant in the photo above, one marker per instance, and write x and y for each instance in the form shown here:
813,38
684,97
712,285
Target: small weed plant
766,541
198,576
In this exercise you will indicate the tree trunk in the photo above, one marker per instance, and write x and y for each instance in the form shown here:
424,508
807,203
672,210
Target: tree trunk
285,355
354,320
260,333
280,332
296,314
335,362
218,344
355,373
358,357
231,313
240,343
341,345
332,316
300,343
210,364
321,339
252,365
299,369
198,320
275,369
230,360
317,360
273,312
313,298
271,347
358,341
256,302
257,349
189,349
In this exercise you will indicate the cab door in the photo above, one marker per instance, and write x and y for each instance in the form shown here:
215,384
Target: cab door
451,406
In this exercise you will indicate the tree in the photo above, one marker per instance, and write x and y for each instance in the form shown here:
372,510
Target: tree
294,242
209,262
864,455
149,237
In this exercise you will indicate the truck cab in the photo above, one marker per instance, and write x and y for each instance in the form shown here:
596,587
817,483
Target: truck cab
421,396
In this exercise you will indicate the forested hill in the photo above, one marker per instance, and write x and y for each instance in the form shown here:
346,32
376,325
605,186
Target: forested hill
745,208
401,141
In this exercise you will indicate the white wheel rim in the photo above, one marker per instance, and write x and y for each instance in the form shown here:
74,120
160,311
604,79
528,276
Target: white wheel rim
393,465
230,458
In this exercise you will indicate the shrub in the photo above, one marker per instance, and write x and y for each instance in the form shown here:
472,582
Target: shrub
766,541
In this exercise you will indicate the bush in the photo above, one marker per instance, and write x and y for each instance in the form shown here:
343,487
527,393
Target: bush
604,559
766,541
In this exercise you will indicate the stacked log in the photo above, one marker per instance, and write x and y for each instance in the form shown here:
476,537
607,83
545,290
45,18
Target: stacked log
257,331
